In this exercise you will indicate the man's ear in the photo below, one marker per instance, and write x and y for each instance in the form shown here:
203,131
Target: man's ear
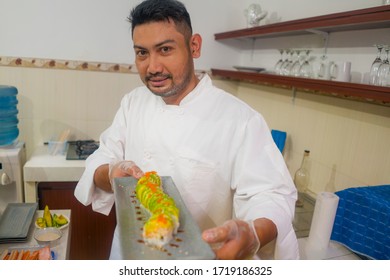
196,45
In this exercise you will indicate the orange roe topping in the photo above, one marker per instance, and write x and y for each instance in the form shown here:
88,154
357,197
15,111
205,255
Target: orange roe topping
162,219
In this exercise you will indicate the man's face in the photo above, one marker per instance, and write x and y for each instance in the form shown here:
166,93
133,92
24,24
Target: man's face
164,60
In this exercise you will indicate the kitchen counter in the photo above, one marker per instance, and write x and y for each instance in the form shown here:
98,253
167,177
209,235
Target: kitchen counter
336,251
53,179
61,250
43,167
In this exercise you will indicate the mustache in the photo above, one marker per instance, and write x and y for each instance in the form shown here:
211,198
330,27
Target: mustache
158,75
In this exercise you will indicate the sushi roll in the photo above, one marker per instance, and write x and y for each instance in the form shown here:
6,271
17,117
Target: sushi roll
158,230
163,223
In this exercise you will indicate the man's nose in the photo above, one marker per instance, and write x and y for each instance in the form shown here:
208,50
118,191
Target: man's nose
155,65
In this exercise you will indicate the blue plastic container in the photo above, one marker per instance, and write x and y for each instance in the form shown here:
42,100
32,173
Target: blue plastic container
9,131
8,122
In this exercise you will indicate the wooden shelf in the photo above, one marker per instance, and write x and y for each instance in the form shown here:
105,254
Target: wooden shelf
371,18
360,92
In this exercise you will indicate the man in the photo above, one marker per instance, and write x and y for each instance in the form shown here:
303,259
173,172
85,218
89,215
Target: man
217,149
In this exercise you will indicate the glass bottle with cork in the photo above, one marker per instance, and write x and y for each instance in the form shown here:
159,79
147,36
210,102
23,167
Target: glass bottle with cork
302,178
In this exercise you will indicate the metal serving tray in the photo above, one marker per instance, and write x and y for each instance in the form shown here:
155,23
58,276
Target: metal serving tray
186,244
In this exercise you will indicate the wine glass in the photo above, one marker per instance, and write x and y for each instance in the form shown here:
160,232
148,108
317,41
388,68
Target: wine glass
285,69
306,69
279,63
288,70
384,68
375,66
296,66
385,77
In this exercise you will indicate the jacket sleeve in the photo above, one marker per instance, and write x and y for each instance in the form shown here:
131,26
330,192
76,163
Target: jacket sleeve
264,187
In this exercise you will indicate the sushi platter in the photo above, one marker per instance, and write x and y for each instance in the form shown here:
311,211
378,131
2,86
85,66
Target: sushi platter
186,244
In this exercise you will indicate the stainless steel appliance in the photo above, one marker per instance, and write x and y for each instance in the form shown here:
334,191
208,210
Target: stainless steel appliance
81,149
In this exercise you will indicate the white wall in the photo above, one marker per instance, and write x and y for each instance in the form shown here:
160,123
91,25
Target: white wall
97,30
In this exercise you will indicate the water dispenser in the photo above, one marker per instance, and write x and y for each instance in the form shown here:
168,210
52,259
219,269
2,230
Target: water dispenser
9,131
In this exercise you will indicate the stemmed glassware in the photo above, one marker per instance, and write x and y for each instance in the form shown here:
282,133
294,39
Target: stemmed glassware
285,69
375,66
278,64
385,78
294,62
384,69
306,70
296,66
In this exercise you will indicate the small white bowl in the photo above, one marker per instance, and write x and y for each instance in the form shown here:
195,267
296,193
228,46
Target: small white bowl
48,236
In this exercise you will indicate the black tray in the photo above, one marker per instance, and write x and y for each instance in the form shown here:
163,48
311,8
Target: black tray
15,222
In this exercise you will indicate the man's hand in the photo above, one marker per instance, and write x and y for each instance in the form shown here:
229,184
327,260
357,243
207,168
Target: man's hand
105,174
235,239
123,169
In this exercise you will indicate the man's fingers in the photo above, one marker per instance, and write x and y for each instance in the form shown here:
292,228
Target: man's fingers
214,235
136,172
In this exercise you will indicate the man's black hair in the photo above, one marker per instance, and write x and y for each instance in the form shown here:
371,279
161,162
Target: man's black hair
161,10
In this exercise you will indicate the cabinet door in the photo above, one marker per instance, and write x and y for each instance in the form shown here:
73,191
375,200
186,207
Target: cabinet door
91,232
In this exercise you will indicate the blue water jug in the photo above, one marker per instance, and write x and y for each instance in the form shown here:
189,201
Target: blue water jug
9,131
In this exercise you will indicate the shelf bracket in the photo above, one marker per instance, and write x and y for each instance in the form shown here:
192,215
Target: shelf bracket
325,37
294,95
253,48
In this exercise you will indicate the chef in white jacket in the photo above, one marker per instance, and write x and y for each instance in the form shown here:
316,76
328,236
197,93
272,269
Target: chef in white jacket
218,150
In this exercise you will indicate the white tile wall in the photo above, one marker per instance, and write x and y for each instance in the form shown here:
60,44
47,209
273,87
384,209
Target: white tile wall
51,101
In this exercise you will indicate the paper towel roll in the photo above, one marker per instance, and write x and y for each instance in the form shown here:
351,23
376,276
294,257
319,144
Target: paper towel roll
321,226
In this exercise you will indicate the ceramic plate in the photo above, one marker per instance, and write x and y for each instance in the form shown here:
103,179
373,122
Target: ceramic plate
186,244
249,69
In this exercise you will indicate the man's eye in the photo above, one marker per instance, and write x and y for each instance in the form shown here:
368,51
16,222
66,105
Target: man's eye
165,50
141,53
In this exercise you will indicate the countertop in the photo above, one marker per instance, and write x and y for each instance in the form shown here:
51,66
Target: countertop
336,251
43,167
61,250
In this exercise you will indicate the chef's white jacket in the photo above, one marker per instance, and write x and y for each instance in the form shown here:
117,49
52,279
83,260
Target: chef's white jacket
219,152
